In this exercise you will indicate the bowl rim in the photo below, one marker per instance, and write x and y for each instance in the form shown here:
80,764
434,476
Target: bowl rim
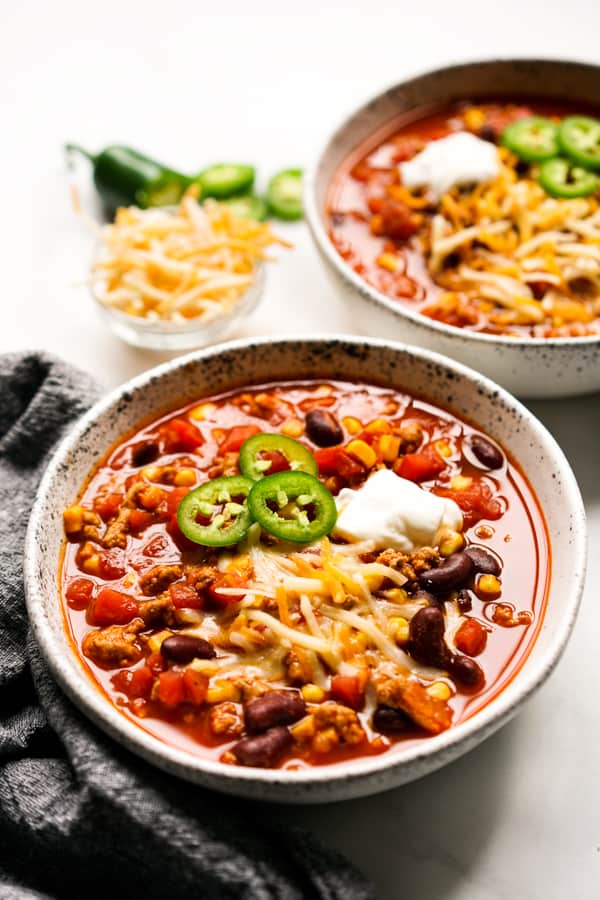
325,245
80,688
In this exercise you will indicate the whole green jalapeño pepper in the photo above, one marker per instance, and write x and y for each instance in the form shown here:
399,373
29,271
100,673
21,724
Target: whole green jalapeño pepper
216,514
293,506
124,177
265,454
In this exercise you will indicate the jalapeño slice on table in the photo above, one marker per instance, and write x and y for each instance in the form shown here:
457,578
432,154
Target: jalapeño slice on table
293,506
248,206
216,514
533,138
266,454
284,194
225,180
565,180
579,138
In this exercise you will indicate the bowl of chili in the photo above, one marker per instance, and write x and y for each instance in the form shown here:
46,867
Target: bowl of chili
211,521
498,265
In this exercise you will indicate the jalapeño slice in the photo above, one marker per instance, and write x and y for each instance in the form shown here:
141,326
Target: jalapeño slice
565,180
293,506
284,194
225,180
267,454
247,207
216,514
579,138
533,138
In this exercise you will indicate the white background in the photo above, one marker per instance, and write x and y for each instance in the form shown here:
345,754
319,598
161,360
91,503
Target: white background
194,83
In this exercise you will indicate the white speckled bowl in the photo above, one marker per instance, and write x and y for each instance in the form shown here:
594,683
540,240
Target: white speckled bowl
530,368
236,364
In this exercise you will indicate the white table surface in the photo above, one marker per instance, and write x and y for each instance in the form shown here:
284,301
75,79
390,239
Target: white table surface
193,83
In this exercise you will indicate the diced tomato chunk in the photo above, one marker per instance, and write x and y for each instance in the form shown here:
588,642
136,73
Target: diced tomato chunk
184,596
421,466
171,688
178,435
476,501
196,686
178,536
156,663
471,637
236,437
79,592
277,459
227,581
136,684
158,546
112,607
139,520
348,689
112,563
108,505
174,499
335,461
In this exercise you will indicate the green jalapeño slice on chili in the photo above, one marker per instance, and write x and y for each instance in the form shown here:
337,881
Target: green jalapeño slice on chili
565,180
267,454
216,514
579,138
533,138
293,506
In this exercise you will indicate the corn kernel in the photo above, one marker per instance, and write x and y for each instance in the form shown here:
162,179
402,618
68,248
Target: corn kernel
460,483
363,452
443,448
223,690
451,542
399,629
185,478
389,447
373,580
352,425
304,730
474,118
204,411
91,565
73,519
488,587
151,473
378,426
293,428
312,693
439,690
387,261
155,642
396,595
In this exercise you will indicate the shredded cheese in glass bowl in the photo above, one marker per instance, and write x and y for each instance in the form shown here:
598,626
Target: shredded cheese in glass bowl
171,278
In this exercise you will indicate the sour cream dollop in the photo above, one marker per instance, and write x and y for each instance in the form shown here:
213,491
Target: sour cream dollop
394,512
460,158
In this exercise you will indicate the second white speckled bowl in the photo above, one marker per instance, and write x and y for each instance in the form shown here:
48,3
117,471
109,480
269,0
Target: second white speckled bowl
236,364
536,367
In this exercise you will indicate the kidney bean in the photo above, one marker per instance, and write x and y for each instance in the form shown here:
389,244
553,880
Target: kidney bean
426,641
264,749
323,428
466,671
392,721
424,595
274,708
144,453
483,560
183,648
490,456
452,573
465,602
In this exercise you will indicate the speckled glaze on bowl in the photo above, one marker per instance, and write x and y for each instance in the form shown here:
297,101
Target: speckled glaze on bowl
238,363
530,368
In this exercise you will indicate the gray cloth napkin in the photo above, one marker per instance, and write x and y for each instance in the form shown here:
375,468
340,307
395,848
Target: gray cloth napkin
79,815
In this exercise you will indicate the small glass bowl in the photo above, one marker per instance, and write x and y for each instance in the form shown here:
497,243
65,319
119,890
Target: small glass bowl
158,334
